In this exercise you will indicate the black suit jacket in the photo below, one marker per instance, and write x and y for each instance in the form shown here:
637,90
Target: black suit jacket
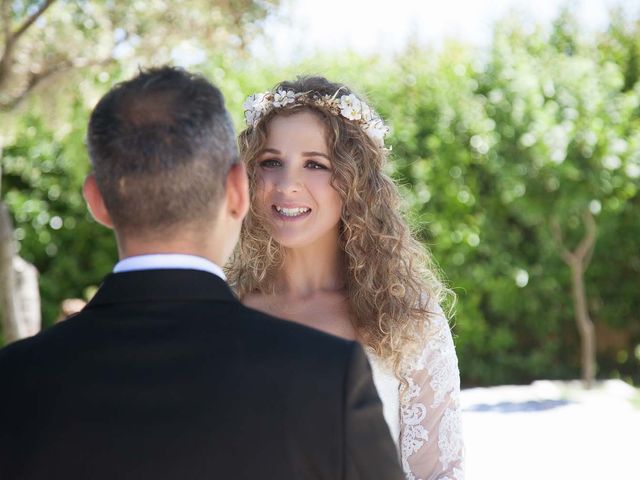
165,375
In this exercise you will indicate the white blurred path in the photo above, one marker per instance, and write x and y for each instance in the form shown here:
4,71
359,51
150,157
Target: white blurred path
552,430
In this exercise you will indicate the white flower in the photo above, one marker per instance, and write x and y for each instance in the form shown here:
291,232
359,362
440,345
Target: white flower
367,113
282,98
255,106
262,103
248,103
347,106
351,113
376,130
251,117
257,101
350,107
348,100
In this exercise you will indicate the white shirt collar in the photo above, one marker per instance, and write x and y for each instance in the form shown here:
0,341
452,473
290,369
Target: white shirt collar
161,261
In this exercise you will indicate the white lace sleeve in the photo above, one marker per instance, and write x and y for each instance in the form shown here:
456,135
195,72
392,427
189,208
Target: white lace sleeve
430,424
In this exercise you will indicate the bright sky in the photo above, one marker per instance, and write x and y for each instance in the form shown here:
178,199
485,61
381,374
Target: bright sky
303,27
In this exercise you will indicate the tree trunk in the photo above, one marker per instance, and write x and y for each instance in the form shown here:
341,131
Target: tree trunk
19,293
585,326
578,260
7,278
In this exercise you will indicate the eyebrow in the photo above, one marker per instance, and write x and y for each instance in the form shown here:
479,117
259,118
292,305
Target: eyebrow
269,150
315,154
304,154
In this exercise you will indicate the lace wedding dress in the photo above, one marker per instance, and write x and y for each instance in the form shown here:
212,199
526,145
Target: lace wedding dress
424,419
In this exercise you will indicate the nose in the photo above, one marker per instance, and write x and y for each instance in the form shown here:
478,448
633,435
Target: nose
289,181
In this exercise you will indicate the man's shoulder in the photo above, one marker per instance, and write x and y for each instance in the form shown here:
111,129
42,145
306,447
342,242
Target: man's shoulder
18,361
21,353
15,352
280,330
280,326
263,334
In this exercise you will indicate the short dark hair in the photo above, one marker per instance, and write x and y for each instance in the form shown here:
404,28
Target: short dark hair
161,145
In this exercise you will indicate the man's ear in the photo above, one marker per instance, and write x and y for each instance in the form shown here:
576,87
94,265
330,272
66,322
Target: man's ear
95,202
237,191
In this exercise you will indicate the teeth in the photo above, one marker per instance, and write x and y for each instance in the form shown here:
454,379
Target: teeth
292,212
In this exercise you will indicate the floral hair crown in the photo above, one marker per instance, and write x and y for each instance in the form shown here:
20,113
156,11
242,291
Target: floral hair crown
347,106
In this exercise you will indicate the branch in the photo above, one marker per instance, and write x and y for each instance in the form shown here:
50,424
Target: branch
11,38
29,21
6,18
32,82
36,78
587,244
581,256
557,235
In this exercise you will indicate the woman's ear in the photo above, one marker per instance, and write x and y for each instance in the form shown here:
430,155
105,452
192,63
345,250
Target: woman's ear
95,202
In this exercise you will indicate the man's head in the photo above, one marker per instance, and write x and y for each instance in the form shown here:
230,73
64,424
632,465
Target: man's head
165,164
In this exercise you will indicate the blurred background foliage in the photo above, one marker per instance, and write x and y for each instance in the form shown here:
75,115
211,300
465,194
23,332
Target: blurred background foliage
489,148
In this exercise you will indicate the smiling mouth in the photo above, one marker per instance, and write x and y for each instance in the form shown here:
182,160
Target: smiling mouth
291,212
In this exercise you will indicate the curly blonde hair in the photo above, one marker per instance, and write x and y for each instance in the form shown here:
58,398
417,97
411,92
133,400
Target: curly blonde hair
391,280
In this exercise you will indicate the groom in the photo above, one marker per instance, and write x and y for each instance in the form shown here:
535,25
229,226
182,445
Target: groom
165,375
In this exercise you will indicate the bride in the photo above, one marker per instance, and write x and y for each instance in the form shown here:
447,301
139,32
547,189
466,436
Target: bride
325,245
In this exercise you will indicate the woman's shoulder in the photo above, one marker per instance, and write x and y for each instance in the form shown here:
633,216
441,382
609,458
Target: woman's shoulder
435,340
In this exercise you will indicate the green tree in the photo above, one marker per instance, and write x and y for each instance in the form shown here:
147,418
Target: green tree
42,39
495,153
56,57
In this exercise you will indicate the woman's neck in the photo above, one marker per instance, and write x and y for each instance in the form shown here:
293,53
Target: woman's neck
310,270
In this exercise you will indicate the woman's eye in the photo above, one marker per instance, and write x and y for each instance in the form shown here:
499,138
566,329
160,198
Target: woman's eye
315,165
270,163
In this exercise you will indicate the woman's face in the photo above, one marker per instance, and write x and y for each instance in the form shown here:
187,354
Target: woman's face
293,182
